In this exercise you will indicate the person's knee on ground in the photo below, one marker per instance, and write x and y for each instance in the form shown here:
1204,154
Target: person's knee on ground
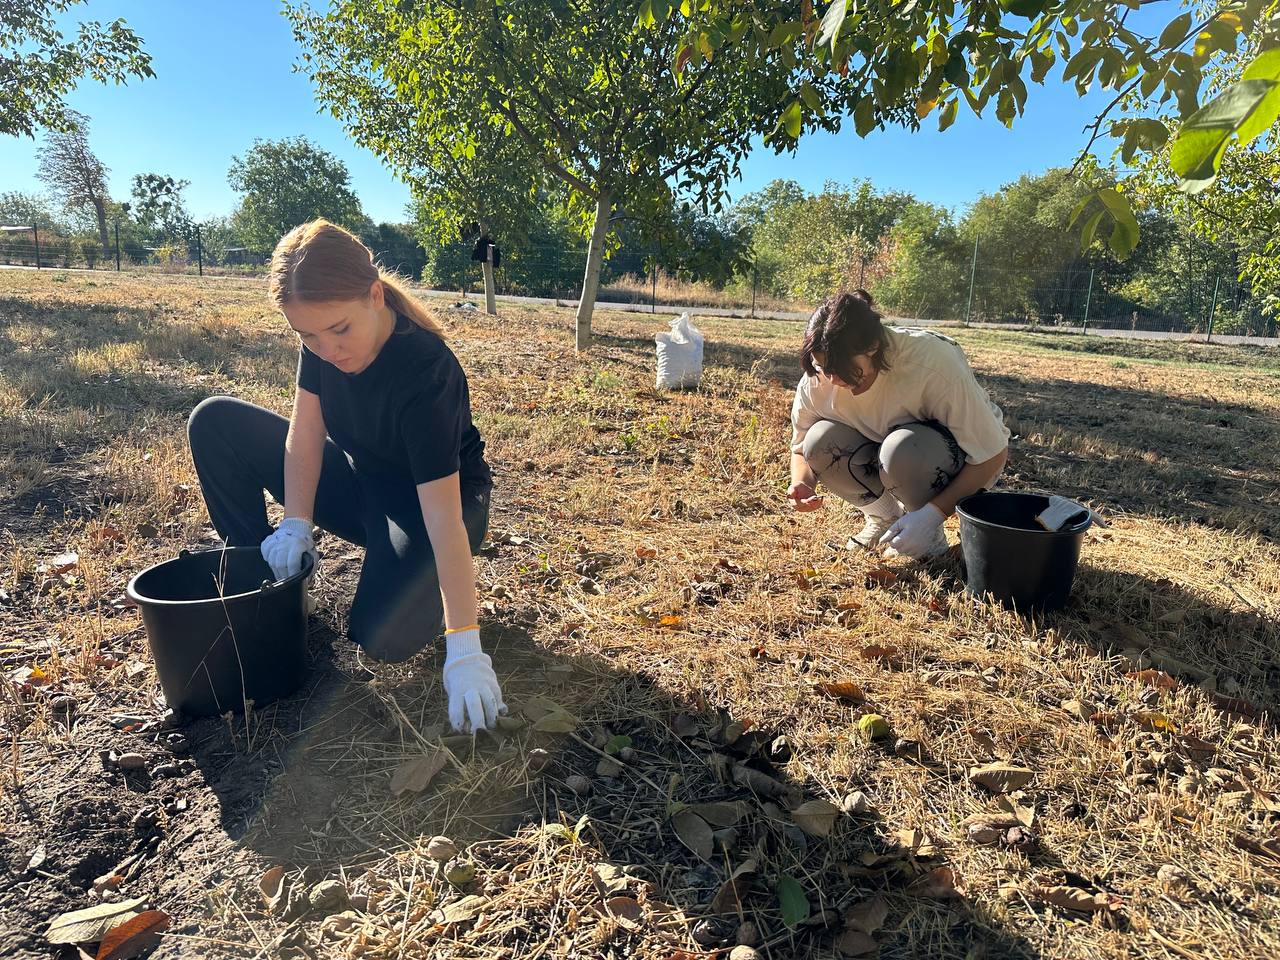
207,421
391,638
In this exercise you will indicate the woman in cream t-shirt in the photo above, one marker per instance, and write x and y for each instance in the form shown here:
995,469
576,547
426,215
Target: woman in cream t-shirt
892,421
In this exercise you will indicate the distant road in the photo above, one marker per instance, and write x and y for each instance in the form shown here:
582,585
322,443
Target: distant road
745,314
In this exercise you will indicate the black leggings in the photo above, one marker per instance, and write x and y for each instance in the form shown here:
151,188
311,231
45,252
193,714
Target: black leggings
238,449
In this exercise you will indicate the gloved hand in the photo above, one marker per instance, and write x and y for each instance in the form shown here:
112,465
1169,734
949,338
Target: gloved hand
475,699
285,548
915,534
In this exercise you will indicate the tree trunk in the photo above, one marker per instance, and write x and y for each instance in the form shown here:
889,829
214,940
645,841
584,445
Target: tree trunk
595,259
100,209
486,267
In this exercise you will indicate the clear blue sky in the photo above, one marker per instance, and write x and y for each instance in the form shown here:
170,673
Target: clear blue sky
224,77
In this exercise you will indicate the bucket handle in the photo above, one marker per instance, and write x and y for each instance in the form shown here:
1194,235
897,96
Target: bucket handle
308,565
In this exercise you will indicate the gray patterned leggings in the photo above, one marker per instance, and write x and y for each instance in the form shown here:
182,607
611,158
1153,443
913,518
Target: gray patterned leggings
913,463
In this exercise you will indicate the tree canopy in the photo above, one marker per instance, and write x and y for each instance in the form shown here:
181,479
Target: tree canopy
39,66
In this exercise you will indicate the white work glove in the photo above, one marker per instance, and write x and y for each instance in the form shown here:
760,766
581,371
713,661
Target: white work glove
913,533
475,699
285,548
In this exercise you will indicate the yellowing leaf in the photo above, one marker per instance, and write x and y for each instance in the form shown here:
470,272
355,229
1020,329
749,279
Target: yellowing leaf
1153,720
1154,678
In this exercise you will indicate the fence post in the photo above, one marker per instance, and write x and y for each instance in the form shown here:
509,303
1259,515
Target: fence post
653,290
117,226
973,269
490,301
35,233
755,282
1212,307
1088,295
199,252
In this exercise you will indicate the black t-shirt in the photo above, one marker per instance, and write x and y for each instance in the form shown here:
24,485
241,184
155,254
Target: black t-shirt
406,414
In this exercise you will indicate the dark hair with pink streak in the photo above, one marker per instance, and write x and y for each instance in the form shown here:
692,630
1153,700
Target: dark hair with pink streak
844,326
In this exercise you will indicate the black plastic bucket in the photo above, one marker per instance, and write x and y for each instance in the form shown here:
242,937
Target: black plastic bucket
222,632
1010,556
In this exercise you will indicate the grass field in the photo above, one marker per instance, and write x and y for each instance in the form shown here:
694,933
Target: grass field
705,655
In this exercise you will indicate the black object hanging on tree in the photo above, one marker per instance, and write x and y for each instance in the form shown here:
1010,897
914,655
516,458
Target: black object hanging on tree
480,253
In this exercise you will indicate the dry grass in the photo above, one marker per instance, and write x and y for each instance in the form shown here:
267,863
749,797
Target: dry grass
644,577
634,288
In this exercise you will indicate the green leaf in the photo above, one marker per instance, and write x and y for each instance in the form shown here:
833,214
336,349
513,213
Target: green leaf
864,118
1197,150
790,120
1090,228
1216,35
948,114
1124,235
1024,8
831,23
810,96
792,901
1265,67
1173,34
617,744
645,15
1079,208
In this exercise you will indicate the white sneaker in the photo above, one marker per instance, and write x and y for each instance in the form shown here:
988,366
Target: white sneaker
872,531
935,548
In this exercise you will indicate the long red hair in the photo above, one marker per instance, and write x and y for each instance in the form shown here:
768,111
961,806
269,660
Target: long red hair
320,262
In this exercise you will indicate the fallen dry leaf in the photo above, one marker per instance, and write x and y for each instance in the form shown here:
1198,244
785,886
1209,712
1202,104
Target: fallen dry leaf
916,842
91,924
460,911
867,916
555,723
841,690
940,883
1154,678
645,553
133,937
1073,898
609,878
1266,850
816,817
722,814
415,775
271,885
729,898
760,783
884,654
1001,777
695,833
624,908
855,943
62,563
881,576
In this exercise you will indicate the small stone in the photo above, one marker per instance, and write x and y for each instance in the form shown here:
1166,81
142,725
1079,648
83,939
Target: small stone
327,896
144,821
983,834
360,901
626,754
608,767
587,585
743,952
166,770
130,761
63,703
712,931
857,802
748,934
578,784
908,749
441,849
1021,839
1174,879
175,743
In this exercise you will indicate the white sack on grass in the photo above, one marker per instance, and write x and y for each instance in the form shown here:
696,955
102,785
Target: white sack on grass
679,355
